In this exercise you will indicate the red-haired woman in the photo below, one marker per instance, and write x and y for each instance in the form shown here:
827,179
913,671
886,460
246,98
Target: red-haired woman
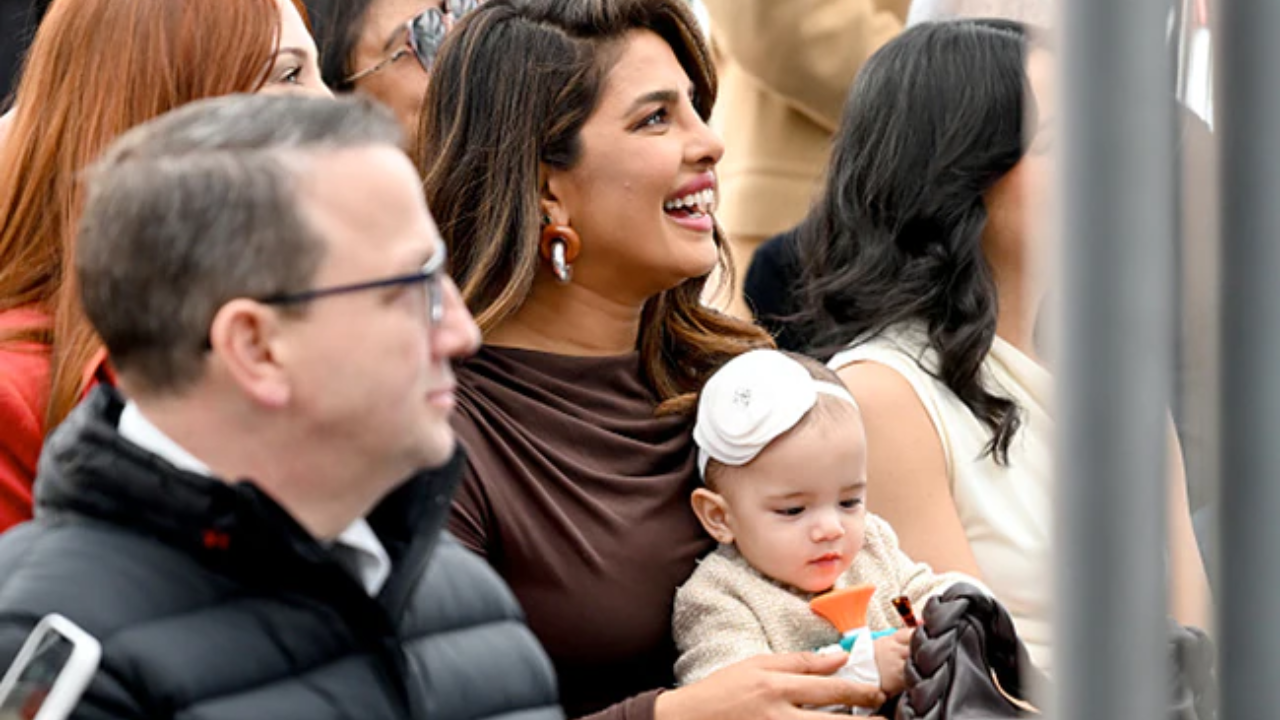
96,68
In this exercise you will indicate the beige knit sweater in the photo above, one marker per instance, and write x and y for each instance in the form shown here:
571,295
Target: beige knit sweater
728,611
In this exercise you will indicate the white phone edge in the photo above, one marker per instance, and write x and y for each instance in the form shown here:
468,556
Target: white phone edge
73,678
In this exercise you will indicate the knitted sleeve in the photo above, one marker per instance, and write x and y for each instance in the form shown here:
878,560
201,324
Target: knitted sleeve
914,579
713,627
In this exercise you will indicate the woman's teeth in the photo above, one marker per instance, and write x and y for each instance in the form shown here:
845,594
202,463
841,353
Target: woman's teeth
697,204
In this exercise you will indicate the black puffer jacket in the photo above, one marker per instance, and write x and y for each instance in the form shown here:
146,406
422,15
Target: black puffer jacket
211,602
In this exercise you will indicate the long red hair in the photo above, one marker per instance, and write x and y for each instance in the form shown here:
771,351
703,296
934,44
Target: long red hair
95,69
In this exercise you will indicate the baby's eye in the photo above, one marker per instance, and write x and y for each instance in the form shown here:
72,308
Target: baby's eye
789,511
850,503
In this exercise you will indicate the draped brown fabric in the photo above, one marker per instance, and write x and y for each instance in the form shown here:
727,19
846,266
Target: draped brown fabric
579,496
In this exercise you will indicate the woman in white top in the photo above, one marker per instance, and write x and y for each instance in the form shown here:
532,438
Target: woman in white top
918,264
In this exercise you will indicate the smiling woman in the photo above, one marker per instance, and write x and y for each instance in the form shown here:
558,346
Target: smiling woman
572,134
95,69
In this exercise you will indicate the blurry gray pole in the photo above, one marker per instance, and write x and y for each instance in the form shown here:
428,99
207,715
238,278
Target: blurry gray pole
1249,115
1116,243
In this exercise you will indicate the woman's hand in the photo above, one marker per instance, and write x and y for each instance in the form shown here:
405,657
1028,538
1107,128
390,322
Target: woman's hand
891,660
768,687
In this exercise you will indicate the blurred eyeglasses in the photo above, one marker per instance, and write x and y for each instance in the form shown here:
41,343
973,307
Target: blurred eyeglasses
425,35
431,278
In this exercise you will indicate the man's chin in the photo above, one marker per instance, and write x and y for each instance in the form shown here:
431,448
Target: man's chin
438,448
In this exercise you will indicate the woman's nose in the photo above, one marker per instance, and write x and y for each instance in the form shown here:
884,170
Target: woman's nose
705,147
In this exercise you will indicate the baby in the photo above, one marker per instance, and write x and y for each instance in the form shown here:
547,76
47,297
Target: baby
782,454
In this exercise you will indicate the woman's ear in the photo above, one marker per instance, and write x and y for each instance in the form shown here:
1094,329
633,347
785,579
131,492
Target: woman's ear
713,513
550,203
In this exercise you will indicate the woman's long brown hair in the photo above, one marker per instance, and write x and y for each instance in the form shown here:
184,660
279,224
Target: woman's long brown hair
509,93
95,69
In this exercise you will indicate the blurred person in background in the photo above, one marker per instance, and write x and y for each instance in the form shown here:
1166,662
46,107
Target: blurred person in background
924,266
770,281
383,48
95,69
18,20
785,69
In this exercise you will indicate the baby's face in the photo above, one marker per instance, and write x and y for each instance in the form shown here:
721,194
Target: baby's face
797,511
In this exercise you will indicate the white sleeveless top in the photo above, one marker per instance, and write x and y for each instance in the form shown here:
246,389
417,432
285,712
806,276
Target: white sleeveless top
1006,511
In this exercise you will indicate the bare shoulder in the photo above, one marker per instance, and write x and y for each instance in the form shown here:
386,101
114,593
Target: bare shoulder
908,482
891,408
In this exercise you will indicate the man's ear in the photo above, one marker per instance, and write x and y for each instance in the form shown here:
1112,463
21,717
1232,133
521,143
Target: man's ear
713,513
246,338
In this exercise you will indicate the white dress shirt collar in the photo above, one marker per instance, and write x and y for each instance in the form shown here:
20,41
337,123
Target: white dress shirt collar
357,548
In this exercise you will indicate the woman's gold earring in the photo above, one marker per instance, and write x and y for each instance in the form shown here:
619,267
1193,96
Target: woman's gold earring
560,246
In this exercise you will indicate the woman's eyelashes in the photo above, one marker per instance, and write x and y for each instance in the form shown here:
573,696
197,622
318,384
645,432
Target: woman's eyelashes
657,118
662,116
290,74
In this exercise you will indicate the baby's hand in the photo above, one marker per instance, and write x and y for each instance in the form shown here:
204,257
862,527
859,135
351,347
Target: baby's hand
891,660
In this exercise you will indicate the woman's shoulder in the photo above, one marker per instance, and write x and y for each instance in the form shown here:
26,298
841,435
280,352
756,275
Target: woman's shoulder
554,400
24,365
24,392
495,398
24,377
903,347
20,318
533,380
892,367
907,413
896,370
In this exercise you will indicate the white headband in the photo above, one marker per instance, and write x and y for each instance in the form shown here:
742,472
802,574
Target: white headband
749,402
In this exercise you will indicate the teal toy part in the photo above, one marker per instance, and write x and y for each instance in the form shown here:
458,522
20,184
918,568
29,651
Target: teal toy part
848,641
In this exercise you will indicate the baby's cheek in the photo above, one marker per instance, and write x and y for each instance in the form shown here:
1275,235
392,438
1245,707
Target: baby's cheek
859,532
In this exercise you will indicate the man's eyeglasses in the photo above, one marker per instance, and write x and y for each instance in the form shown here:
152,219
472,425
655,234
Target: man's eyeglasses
426,33
432,278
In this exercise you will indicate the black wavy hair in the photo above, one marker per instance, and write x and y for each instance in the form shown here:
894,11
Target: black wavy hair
336,26
933,120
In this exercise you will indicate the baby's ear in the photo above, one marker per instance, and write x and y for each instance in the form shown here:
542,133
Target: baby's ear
713,513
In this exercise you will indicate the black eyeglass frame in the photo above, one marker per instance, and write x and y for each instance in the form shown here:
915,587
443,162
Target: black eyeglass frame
425,59
432,275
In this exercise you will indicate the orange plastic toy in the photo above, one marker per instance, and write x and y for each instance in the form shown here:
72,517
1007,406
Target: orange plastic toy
845,608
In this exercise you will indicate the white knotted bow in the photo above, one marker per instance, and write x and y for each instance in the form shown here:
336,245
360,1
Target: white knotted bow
750,401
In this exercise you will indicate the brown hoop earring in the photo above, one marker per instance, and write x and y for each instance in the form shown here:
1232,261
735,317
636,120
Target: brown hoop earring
559,246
